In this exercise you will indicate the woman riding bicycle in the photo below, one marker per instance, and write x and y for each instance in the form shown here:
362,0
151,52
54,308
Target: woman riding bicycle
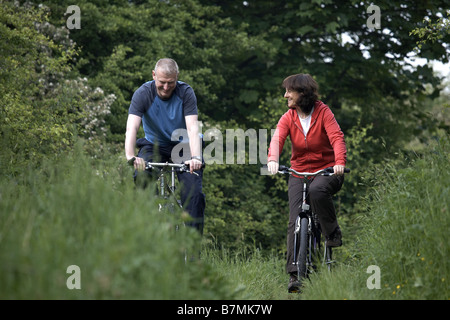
317,143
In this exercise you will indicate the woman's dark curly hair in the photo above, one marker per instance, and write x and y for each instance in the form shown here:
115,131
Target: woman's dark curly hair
306,86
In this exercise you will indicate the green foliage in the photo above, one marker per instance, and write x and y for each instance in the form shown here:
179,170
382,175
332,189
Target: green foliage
57,85
360,159
96,106
405,233
32,121
43,111
239,214
238,195
70,213
257,276
432,31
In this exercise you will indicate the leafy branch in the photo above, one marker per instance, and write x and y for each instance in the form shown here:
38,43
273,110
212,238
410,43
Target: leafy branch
431,32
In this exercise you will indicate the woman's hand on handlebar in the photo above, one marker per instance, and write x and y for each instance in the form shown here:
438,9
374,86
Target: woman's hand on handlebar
272,166
339,169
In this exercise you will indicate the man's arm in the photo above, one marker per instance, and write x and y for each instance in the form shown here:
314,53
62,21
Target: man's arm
194,142
133,124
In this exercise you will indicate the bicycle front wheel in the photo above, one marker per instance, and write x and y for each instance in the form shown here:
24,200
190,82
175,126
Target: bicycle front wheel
303,250
328,257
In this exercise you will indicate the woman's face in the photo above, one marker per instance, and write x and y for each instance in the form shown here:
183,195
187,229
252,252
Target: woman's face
293,98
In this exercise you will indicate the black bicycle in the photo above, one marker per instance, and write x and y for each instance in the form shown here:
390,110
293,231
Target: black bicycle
308,239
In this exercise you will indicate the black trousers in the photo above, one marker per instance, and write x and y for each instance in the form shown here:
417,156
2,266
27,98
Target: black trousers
320,195
191,191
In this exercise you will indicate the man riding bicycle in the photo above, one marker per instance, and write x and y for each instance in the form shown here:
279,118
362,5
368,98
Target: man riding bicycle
164,106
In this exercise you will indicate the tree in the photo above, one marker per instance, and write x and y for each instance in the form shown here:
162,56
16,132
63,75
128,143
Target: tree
33,122
235,55
44,107
354,64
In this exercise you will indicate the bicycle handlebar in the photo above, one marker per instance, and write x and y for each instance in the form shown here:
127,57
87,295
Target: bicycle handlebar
326,172
182,167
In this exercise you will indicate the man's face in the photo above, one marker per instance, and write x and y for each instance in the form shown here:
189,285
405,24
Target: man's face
293,98
165,84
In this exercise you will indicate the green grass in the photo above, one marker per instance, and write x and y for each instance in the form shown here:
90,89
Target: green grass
257,276
68,213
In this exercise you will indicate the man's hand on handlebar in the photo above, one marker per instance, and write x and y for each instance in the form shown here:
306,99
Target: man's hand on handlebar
138,163
194,164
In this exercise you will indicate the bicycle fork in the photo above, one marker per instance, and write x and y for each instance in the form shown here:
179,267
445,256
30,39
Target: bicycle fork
171,188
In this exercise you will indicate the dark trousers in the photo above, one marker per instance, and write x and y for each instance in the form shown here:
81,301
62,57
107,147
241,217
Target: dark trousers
192,196
320,195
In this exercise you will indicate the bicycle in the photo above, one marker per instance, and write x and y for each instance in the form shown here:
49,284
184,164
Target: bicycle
307,230
166,188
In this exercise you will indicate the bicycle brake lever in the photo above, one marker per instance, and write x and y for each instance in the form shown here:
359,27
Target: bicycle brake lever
283,169
186,169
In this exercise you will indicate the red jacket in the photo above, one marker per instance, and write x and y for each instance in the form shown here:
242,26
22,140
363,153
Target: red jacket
323,146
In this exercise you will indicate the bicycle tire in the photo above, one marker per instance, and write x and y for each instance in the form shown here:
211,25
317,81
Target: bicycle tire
302,250
315,247
328,257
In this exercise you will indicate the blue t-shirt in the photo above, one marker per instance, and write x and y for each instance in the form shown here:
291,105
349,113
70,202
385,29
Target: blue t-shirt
160,118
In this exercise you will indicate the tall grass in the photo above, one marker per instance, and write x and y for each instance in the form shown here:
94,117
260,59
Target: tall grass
258,275
68,213
405,233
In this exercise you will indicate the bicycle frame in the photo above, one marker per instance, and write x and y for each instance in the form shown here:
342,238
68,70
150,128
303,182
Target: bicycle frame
162,167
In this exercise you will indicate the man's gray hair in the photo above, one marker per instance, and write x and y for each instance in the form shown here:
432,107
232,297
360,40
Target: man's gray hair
167,66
